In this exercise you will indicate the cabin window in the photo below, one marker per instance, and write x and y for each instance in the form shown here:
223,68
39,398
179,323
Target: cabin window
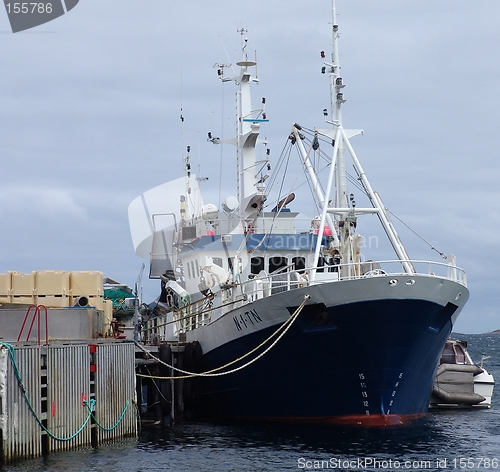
276,263
192,270
335,262
197,273
321,264
218,261
189,270
257,264
188,232
299,263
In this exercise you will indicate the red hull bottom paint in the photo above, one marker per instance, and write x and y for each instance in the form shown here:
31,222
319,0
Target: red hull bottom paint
350,420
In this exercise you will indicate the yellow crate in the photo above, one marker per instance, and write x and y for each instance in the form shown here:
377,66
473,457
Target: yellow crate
21,299
52,282
6,284
23,284
88,284
107,318
53,301
98,302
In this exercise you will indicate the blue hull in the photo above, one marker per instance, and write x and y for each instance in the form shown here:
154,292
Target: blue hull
363,362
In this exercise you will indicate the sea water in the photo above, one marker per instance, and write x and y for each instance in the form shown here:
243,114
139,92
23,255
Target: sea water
443,440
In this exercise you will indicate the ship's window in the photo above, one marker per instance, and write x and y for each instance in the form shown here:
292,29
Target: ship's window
276,263
321,264
335,262
188,232
189,270
299,263
257,264
218,261
197,273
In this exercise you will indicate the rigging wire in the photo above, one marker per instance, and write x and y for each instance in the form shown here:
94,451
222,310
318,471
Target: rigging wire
182,118
418,235
280,191
355,181
277,169
278,210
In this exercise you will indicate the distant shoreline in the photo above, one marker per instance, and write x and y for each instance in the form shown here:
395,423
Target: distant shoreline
453,334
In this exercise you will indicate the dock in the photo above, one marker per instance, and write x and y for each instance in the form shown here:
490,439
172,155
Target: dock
72,372
67,376
65,395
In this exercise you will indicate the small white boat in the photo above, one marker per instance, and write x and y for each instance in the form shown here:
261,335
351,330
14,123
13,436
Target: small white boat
459,383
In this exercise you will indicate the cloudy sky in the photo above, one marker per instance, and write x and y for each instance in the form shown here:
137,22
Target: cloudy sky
90,107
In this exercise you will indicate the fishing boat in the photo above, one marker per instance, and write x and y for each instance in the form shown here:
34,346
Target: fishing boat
290,321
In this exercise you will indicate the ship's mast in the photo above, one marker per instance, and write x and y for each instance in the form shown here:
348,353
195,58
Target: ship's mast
336,101
251,187
345,206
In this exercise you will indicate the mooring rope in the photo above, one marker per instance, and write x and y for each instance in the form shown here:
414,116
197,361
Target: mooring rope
213,373
90,405
97,422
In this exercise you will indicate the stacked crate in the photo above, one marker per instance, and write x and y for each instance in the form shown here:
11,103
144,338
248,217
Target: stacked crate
87,284
23,288
52,288
107,318
55,289
6,288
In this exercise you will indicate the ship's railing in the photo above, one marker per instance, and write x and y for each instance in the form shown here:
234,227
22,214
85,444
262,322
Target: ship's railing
189,317
394,267
193,315
284,225
288,278
261,226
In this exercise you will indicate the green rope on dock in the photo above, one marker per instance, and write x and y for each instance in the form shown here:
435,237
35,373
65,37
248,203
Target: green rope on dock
90,405
97,422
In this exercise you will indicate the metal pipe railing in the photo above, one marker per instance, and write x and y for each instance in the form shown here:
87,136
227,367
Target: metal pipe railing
295,278
36,315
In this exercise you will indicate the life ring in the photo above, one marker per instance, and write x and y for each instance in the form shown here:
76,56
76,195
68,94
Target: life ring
375,273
